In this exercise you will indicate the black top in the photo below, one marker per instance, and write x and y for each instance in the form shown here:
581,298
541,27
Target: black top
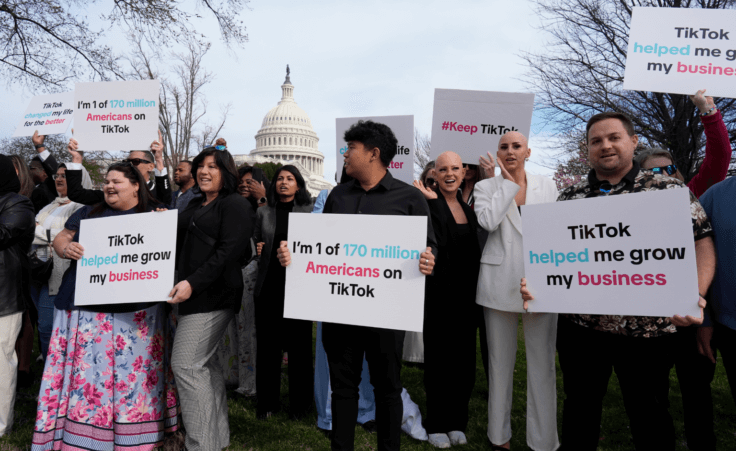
45,192
210,243
458,262
275,282
64,299
467,270
389,197
264,232
282,223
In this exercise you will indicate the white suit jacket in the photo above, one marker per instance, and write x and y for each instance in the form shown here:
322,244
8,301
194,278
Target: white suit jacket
502,264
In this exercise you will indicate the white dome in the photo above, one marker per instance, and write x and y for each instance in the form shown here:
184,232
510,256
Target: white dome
286,133
286,113
286,136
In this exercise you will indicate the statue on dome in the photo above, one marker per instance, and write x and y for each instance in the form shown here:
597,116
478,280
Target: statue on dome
287,70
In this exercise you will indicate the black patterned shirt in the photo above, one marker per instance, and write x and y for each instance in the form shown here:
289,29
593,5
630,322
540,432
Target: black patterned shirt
636,181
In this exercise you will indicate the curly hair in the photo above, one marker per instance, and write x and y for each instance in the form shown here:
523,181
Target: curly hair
374,134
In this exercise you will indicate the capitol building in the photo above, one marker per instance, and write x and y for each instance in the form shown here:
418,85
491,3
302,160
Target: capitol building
286,136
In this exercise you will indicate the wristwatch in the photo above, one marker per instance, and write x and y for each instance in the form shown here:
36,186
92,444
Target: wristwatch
262,200
38,146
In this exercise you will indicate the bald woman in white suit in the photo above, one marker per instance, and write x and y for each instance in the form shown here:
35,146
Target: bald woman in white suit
497,205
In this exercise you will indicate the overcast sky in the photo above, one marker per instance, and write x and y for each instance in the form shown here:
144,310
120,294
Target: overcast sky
349,58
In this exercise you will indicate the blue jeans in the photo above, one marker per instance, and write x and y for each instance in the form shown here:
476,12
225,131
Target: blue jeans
323,391
45,305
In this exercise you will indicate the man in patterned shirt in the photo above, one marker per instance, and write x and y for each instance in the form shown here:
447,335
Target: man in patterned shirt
636,347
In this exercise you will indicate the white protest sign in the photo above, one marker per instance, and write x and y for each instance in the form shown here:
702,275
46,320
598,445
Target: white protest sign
682,50
470,123
127,259
402,166
50,114
356,269
116,115
630,254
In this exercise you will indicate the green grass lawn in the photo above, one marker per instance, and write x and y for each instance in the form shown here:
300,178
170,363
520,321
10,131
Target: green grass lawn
279,433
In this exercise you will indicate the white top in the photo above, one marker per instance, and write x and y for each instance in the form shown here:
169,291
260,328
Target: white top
53,217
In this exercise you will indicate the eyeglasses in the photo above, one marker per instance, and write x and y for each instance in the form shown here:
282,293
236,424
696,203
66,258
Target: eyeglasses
137,161
669,169
58,176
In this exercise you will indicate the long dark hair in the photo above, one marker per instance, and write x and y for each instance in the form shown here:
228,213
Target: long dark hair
24,175
228,172
302,195
131,173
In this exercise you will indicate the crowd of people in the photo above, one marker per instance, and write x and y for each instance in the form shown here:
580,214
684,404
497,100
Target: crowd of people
145,374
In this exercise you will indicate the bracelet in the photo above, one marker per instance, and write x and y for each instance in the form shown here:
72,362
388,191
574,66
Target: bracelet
38,146
708,112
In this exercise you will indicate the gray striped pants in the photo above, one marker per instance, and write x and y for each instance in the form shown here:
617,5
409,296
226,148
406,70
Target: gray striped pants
200,383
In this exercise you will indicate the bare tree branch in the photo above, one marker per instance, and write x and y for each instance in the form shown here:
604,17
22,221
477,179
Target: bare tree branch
46,43
580,73
182,104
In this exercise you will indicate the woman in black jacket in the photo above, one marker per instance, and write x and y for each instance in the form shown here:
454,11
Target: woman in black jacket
274,333
450,310
213,233
16,234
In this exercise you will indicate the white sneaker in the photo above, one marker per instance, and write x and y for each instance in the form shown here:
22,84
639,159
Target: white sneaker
457,438
439,440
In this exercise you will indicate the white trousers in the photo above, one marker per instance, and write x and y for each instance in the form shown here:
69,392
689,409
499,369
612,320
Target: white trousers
540,334
9,330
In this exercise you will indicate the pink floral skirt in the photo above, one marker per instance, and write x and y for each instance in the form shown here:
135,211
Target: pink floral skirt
107,383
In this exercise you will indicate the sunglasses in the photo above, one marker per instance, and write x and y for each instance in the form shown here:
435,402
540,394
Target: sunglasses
137,161
58,176
220,148
430,181
669,169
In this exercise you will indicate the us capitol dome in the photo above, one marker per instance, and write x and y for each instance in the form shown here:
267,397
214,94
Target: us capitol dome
286,136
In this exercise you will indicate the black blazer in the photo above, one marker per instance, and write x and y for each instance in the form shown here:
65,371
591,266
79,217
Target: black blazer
161,191
211,241
264,230
45,192
448,248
